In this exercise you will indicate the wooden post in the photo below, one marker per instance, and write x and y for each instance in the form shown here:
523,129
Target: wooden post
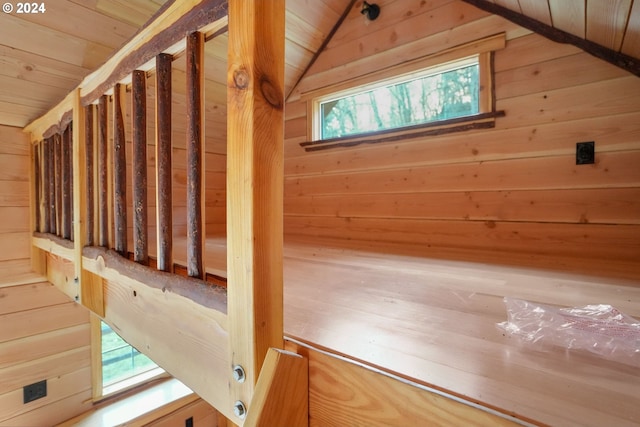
90,289
46,199
119,175
255,82
70,165
164,219
195,155
89,168
51,207
282,393
66,184
103,217
58,189
37,184
139,130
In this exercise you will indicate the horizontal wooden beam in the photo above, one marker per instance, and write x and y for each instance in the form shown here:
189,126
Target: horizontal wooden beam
169,29
158,313
54,116
164,34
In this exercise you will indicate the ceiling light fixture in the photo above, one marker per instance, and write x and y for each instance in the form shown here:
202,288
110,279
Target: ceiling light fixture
370,11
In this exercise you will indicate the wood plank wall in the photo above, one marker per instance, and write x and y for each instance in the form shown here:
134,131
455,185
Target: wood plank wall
43,336
514,193
14,202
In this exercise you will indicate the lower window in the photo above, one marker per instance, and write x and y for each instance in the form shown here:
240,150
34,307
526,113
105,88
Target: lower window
122,365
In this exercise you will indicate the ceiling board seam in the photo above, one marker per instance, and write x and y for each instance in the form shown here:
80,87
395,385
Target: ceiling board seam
614,57
323,46
626,25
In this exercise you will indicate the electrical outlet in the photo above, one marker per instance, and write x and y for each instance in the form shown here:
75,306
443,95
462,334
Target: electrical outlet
34,391
585,153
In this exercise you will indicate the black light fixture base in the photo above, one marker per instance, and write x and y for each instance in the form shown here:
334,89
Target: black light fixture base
371,11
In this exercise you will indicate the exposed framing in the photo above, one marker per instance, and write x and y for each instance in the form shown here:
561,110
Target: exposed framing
218,336
618,59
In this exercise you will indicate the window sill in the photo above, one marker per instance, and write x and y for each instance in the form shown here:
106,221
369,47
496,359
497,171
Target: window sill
460,124
139,408
132,382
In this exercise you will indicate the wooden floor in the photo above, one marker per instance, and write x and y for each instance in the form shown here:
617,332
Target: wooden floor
434,321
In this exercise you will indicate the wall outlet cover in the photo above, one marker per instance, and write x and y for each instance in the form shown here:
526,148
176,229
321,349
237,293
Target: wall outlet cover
585,153
34,391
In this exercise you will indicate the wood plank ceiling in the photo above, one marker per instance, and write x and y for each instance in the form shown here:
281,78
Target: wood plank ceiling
608,29
44,56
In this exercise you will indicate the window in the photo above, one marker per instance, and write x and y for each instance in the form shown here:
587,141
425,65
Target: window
438,93
446,91
119,365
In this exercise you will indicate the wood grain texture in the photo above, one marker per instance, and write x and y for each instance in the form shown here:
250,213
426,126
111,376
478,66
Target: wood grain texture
254,161
36,198
141,314
57,138
120,174
200,413
163,162
434,320
631,42
15,193
603,39
65,163
139,173
167,30
90,170
568,15
281,396
52,187
45,336
345,393
103,204
553,97
606,22
46,182
195,155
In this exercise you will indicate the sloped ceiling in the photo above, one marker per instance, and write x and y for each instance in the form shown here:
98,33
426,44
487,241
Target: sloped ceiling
608,29
44,56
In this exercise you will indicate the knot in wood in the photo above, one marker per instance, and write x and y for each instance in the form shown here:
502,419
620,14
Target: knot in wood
241,79
271,93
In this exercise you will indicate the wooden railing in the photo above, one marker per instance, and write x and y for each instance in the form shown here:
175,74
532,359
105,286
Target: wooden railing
53,180
213,339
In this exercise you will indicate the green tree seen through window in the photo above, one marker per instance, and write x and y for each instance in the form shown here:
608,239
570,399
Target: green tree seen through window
450,94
